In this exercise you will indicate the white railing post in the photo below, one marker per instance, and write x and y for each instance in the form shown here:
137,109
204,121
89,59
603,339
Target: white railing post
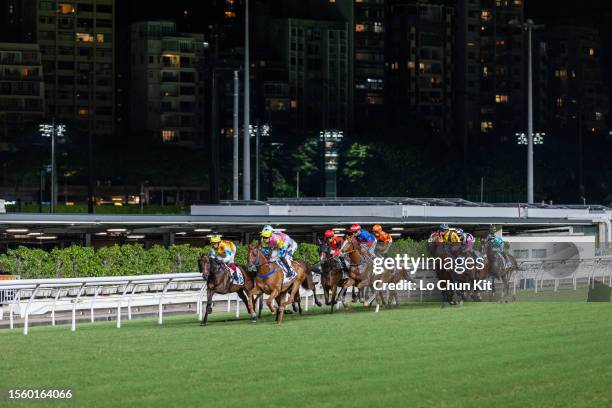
27,310
57,294
120,302
129,306
93,302
161,300
237,305
73,326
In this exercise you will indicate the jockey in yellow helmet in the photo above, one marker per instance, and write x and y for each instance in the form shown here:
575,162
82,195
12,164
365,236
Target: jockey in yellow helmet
225,251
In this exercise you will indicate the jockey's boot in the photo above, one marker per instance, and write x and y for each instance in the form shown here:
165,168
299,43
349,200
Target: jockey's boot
345,271
235,276
290,272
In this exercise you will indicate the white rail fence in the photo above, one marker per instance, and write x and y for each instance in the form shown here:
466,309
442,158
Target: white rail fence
44,296
27,297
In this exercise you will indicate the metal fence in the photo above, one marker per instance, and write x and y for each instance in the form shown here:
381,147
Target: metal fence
28,297
7,295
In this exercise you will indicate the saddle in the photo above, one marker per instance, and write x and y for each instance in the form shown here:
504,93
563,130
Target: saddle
239,275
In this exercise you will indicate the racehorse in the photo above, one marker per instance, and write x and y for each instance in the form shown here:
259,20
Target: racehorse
269,279
360,271
442,250
331,275
500,266
218,280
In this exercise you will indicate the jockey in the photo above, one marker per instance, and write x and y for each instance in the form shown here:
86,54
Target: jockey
384,240
334,243
286,247
364,238
466,238
449,235
496,242
225,251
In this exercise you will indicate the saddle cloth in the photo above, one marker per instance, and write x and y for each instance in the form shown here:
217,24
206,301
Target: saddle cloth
286,280
240,280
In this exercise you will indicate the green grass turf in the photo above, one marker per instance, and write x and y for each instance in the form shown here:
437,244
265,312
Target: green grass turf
529,354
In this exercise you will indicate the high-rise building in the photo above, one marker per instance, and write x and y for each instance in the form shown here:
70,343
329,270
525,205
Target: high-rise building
578,94
78,57
369,63
418,84
490,78
317,56
21,92
167,82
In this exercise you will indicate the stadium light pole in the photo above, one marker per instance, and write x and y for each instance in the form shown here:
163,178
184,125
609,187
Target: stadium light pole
52,130
246,183
528,26
236,130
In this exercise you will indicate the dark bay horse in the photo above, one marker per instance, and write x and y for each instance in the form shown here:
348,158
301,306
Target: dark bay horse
331,274
500,266
218,280
361,272
442,250
269,280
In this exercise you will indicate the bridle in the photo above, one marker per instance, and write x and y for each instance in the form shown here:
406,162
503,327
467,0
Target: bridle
255,266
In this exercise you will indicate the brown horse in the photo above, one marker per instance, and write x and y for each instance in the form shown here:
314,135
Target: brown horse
331,275
440,249
269,279
361,273
218,280
500,266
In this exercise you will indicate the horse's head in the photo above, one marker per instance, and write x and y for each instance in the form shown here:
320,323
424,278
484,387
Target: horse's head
204,266
253,253
322,249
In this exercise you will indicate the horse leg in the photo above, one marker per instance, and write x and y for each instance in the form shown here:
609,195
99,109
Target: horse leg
209,295
326,294
273,295
333,297
251,305
242,295
280,312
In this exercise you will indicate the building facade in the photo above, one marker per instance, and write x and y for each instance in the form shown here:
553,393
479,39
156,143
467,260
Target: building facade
369,63
580,99
418,87
21,92
316,54
166,82
490,76
77,45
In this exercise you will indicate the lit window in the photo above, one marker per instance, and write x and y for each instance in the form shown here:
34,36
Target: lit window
168,135
560,73
375,99
230,14
65,8
485,15
83,112
501,98
293,104
559,102
592,52
485,71
378,27
421,67
359,28
486,126
84,37
598,116
500,42
100,37
25,72
410,64
517,2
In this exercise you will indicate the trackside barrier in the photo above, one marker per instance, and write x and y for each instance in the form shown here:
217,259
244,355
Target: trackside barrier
123,291
7,295
87,294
